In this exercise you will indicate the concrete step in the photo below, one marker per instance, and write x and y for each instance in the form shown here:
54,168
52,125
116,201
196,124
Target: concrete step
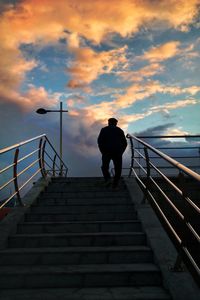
63,217
86,194
76,179
79,276
103,293
80,181
96,187
77,239
76,255
81,201
83,209
64,227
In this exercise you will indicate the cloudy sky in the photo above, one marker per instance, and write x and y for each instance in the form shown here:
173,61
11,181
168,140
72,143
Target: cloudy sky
136,60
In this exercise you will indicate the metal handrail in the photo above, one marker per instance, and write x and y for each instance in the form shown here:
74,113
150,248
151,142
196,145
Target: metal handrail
56,152
44,158
178,211
167,158
7,149
168,136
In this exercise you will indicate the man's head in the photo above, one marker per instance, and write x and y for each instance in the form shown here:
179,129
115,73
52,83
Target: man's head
112,121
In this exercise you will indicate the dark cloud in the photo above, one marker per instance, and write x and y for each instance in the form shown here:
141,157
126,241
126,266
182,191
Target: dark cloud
80,151
156,130
6,4
184,150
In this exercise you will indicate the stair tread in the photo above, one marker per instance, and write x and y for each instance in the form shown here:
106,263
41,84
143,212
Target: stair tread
89,205
93,208
76,249
81,213
79,234
80,222
96,268
100,293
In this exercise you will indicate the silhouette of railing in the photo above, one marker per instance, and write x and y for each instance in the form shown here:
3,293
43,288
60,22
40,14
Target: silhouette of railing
186,153
175,200
30,158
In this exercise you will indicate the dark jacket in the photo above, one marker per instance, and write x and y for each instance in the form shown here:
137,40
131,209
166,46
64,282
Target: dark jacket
111,139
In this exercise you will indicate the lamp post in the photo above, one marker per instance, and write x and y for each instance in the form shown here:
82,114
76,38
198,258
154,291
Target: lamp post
43,111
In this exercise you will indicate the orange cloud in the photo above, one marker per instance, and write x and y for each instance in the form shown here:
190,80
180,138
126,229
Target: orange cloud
140,74
89,65
174,105
173,132
101,111
169,50
13,68
75,99
138,92
104,110
43,22
176,131
125,119
95,19
162,52
193,90
31,99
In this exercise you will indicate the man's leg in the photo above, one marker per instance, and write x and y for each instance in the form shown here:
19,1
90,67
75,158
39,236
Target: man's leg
117,161
105,166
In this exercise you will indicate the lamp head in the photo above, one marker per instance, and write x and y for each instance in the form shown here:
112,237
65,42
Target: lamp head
41,111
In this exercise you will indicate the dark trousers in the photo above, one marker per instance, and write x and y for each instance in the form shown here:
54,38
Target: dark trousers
117,161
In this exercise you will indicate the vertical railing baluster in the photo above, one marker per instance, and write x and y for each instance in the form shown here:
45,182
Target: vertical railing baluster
148,168
40,158
54,162
15,176
178,265
199,159
147,162
139,158
132,157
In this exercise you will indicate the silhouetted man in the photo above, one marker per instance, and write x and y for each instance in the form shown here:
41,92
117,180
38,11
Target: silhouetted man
112,144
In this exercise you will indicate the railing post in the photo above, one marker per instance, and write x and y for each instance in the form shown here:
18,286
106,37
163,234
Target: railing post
199,158
148,172
183,187
16,177
61,169
139,149
178,265
132,157
147,162
40,158
54,162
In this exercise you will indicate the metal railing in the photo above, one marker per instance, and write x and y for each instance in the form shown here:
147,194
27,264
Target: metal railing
187,153
175,200
30,159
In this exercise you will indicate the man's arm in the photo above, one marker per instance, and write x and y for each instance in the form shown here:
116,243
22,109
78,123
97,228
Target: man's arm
123,140
100,140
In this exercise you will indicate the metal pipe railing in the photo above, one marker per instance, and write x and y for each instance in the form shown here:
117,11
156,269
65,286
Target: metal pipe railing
7,149
173,202
46,155
167,158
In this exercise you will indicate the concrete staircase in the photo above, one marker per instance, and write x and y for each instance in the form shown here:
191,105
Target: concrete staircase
80,240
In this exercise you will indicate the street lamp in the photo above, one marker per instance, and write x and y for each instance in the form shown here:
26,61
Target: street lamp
43,111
